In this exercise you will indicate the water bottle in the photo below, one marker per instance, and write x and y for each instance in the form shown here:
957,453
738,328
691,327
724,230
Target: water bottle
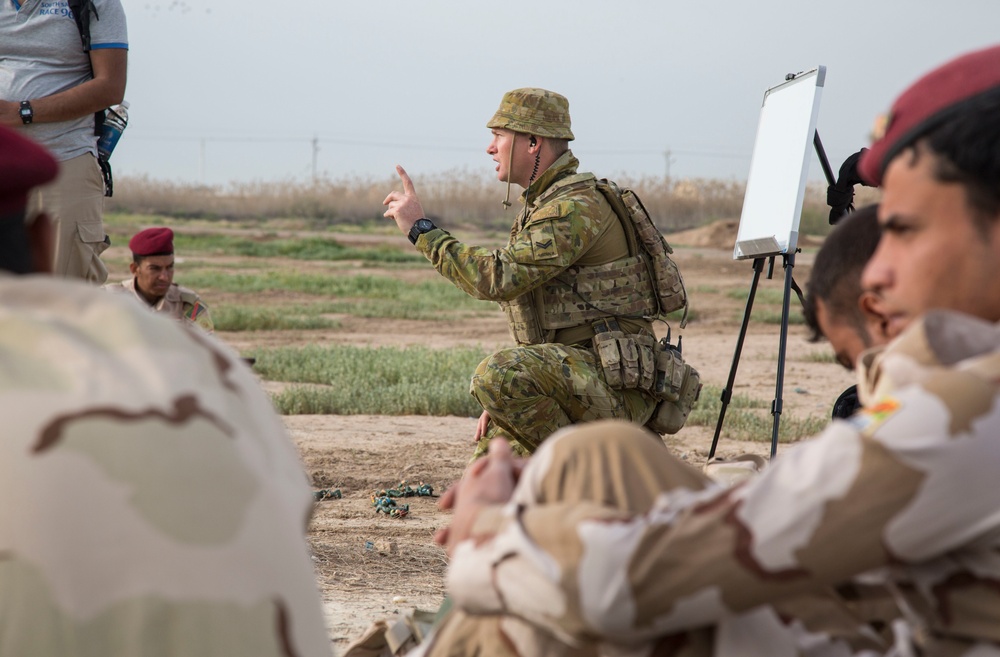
115,120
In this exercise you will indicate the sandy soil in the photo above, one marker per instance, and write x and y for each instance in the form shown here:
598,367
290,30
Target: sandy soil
371,566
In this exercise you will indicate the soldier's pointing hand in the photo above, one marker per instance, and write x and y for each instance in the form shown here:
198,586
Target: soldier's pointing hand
403,207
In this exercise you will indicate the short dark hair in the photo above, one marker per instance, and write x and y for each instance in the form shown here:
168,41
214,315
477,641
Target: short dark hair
836,273
967,150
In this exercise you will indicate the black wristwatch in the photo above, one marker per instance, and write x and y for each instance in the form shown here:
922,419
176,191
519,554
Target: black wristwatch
27,114
420,227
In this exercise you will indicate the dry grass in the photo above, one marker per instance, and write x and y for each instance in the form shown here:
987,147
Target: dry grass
453,198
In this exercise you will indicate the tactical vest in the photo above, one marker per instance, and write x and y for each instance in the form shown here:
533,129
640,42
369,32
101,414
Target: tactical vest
643,285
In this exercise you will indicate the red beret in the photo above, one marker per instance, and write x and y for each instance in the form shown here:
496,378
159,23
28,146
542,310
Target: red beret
927,103
23,165
152,241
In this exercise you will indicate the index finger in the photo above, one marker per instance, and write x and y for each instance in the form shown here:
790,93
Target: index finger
405,177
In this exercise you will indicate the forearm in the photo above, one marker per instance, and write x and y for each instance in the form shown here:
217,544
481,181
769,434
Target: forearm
87,98
105,89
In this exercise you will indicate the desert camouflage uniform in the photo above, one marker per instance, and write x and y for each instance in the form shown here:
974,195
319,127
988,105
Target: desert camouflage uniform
904,491
534,389
151,502
179,302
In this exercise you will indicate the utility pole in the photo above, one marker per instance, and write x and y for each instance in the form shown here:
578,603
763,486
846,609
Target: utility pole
669,159
201,162
315,145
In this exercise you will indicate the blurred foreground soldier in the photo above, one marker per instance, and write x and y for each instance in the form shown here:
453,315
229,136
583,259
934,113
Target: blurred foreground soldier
836,307
577,291
151,502
904,490
152,280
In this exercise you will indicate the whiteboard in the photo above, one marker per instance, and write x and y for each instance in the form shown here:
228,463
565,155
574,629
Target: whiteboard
776,185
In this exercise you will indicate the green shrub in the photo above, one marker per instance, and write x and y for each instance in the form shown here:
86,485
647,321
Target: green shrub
256,318
381,380
747,419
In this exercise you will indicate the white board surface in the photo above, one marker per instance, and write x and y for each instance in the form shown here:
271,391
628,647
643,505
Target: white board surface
772,206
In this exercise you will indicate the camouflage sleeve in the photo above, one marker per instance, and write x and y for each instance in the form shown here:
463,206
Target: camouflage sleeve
555,237
889,486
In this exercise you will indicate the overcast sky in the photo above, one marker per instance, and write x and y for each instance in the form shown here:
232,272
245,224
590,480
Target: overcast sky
247,90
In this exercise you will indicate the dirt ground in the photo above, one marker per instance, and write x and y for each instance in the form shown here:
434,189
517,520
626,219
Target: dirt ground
371,566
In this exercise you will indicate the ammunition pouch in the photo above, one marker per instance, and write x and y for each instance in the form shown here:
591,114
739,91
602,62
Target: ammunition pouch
628,360
638,362
677,387
522,320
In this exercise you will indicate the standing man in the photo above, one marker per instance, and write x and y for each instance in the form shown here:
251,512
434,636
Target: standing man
566,273
152,281
51,85
904,490
151,502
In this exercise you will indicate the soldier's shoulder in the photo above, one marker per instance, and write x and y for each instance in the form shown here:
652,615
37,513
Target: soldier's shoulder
582,191
120,286
187,295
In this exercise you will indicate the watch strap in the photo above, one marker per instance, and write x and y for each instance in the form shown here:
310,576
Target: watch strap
26,112
419,227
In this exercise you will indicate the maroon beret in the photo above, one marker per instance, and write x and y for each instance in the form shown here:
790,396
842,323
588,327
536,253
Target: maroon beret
23,165
927,103
152,241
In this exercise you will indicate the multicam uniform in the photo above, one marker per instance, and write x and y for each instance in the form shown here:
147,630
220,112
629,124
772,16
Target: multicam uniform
904,490
151,502
565,232
179,302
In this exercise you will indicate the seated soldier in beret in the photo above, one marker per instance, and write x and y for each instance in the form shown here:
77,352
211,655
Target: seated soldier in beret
152,279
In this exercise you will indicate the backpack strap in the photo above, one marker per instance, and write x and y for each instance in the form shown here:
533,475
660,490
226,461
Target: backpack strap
81,14
81,10
613,195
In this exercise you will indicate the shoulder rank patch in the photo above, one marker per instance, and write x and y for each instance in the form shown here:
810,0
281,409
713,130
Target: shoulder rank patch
870,418
543,241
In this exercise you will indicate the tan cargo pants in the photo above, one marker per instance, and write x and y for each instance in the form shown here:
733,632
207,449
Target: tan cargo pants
75,203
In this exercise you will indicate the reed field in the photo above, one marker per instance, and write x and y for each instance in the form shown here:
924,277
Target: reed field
454,198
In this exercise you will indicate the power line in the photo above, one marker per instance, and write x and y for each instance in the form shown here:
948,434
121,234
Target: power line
316,141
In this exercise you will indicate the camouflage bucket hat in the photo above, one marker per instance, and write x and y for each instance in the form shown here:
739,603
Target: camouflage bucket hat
534,112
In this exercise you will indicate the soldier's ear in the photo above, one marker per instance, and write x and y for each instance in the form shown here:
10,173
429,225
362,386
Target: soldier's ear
876,320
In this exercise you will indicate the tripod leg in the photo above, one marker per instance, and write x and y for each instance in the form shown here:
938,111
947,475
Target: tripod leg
782,347
727,392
